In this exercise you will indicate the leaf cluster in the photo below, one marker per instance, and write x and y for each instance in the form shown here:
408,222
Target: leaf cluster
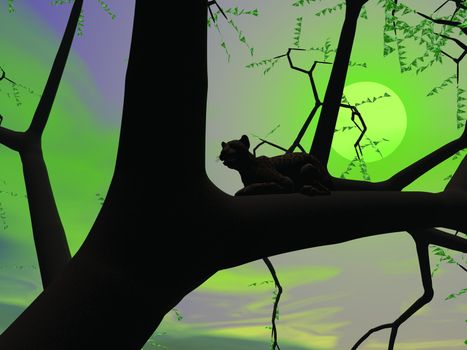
372,99
443,85
269,63
11,6
3,219
444,257
460,111
398,33
297,32
233,11
326,49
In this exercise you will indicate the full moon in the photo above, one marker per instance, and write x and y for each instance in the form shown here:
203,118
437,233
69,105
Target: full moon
384,115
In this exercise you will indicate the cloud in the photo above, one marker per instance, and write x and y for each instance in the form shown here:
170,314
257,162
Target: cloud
251,278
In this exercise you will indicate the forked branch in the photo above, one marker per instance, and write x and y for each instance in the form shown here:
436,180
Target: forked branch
424,263
49,236
362,128
212,3
316,97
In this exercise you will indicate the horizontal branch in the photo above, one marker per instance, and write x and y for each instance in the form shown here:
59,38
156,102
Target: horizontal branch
301,222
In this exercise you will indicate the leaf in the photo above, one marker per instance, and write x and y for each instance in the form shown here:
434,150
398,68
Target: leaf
106,9
330,9
388,50
11,6
444,84
297,31
363,13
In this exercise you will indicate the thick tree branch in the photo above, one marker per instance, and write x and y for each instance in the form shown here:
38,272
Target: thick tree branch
240,218
282,213
49,235
324,134
417,169
407,175
44,107
442,239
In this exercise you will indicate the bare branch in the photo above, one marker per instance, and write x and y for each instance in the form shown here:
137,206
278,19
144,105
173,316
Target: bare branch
268,263
440,21
362,129
3,76
424,263
318,102
445,22
268,143
441,6
214,2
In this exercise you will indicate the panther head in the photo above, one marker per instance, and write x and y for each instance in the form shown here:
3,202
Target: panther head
235,154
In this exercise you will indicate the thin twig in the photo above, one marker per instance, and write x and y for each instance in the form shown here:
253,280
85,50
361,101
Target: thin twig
268,263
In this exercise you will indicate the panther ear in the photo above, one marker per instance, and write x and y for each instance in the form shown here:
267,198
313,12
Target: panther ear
223,144
244,139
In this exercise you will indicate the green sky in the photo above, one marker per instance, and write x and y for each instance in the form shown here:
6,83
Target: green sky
332,294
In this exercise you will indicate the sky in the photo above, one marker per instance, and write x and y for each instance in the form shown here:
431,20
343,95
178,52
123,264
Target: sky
332,295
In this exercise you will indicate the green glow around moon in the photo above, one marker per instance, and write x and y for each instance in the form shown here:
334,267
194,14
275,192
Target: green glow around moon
385,118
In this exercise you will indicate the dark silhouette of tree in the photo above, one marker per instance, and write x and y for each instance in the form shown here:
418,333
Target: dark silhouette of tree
49,236
121,281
